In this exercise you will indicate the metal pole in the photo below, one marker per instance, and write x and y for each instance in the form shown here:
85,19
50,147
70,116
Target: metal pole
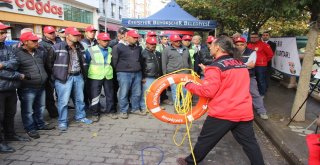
105,17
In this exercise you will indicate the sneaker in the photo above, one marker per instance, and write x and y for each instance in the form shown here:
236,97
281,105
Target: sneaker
264,116
85,121
138,112
34,134
95,118
181,161
113,116
124,115
167,101
63,127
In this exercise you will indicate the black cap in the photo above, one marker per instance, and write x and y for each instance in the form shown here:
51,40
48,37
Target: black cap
122,30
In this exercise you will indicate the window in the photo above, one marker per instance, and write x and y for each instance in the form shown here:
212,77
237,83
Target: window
120,10
113,10
77,15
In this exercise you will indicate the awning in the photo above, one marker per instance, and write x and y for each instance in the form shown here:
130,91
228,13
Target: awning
179,32
110,26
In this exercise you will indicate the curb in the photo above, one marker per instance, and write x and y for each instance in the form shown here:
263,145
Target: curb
277,142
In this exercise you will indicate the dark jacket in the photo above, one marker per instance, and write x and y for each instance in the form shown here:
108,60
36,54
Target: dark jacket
113,42
151,64
244,58
47,44
273,45
32,67
86,43
127,58
9,77
58,61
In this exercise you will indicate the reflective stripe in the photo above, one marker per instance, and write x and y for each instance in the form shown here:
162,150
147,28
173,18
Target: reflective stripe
190,118
95,100
61,51
171,80
155,110
63,65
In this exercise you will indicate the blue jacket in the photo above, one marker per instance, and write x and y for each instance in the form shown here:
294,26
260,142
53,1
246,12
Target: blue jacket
9,77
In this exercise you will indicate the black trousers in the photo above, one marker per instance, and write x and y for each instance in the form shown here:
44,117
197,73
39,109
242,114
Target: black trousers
214,129
95,91
8,109
50,101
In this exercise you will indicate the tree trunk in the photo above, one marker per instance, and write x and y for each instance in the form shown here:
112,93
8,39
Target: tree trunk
303,85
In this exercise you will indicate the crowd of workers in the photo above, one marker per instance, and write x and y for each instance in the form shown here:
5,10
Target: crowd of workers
48,73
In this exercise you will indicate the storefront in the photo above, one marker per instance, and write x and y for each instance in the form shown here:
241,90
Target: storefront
35,14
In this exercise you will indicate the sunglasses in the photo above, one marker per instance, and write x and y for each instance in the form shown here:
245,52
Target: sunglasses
3,33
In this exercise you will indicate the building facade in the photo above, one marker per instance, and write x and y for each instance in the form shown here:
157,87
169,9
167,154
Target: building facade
139,8
35,14
114,11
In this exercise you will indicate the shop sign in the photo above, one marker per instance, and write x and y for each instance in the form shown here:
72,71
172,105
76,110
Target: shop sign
42,8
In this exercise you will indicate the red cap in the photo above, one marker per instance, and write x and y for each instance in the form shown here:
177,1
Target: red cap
48,29
3,26
151,40
133,33
72,30
151,34
90,28
240,39
210,39
104,36
28,36
186,37
175,37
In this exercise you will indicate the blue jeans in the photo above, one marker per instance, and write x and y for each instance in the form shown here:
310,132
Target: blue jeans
145,87
74,84
32,107
174,91
129,81
261,76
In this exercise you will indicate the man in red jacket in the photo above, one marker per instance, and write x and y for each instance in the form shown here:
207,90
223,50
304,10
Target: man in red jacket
226,84
264,55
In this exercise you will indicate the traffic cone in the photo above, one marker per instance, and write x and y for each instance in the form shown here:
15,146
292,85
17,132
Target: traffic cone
313,143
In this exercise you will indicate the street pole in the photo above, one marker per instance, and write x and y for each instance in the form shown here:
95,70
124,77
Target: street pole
105,17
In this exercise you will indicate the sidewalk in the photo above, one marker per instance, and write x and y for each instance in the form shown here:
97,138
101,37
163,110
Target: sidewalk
290,140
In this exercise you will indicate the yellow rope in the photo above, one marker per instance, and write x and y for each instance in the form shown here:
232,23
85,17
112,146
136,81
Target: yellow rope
182,105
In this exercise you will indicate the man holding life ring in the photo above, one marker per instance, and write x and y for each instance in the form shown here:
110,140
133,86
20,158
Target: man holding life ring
226,83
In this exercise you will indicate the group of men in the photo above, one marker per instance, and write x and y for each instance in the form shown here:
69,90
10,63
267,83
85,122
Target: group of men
49,73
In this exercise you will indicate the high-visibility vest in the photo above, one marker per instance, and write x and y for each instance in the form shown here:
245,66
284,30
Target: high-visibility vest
98,70
192,52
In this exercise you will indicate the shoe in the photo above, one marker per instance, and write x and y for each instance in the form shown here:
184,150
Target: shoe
63,127
95,118
181,161
124,115
113,116
16,137
138,112
4,148
47,127
264,116
85,121
34,134
167,101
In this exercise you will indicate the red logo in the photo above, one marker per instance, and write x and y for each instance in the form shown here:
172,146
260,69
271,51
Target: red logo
39,6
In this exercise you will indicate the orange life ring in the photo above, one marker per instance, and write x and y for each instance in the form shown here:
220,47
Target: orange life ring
155,90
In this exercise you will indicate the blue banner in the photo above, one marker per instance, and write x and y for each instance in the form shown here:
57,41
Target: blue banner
178,24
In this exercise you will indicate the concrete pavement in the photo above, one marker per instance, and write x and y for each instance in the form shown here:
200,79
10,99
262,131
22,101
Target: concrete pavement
119,142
